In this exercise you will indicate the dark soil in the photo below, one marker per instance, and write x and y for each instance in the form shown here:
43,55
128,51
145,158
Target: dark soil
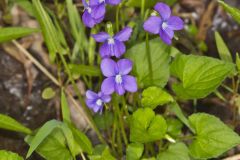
31,110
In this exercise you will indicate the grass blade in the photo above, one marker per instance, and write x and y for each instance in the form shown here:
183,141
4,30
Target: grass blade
11,124
223,50
48,29
10,33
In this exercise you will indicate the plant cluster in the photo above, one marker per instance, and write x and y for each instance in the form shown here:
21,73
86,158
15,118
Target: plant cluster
137,113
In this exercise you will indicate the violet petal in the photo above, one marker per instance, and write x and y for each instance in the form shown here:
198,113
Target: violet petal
91,95
109,67
165,37
97,108
91,103
118,49
93,2
105,50
98,11
124,34
106,98
113,2
163,9
101,36
175,23
108,86
119,89
129,83
88,20
124,66
153,24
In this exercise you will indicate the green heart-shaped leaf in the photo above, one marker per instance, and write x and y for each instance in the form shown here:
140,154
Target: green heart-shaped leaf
146,126
213,137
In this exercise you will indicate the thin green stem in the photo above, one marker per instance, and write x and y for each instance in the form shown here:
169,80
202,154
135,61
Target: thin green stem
143,8
149,58
125,107
119,141
82,155
87,82
121,123
220,96
117,18
118,130
91,48
237,85
93,125
227,88
109,28
114,130
233,84
55,81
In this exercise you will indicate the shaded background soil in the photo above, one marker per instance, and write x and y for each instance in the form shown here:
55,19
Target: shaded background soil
31,110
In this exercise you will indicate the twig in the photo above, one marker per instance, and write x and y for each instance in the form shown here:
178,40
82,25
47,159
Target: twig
40,67
55,81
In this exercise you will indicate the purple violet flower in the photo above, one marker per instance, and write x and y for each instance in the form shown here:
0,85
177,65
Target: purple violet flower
95,11
113,45
165,25
95,101
117,79
109,2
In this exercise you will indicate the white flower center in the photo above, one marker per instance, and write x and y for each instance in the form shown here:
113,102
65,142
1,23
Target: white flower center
118,79
100,1
153,14
164,25
89,10
111,41
99,102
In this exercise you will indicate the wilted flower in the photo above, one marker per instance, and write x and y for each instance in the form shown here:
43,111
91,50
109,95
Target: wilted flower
95,101
117,79
113,45
165,24
95,11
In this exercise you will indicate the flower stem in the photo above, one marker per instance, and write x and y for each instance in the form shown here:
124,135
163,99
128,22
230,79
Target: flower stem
114,130
82,155
109,28
121,133
117,134
117,18
125,107
120,148
227,88
149,58
121,123
92,123
143,8
55,81
92,47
